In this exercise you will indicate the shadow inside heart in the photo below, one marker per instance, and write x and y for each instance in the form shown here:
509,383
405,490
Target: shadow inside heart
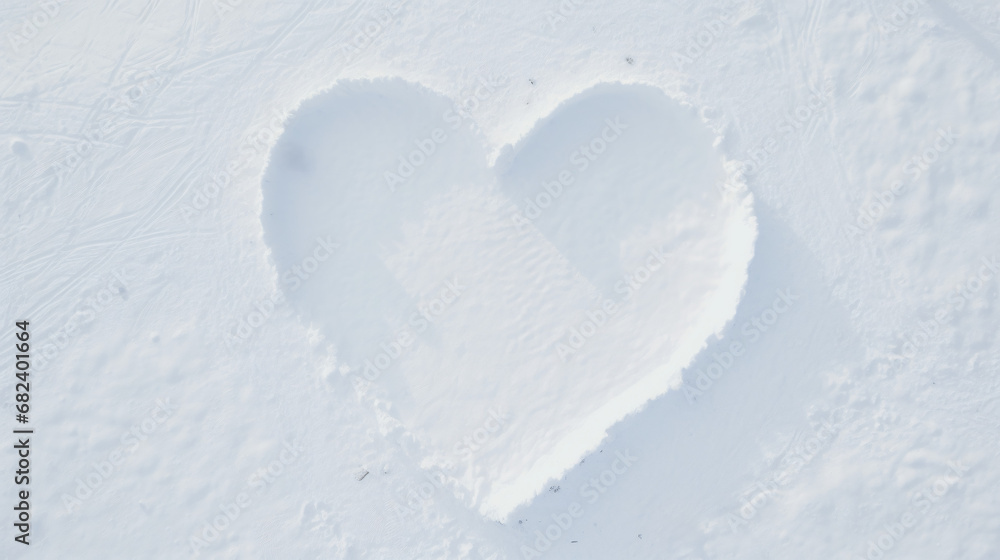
326,179
630,156
508,316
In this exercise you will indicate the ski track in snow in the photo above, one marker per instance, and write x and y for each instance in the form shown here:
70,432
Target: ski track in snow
874,381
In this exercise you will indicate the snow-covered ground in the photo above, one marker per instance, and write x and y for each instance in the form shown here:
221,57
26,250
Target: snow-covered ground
557,279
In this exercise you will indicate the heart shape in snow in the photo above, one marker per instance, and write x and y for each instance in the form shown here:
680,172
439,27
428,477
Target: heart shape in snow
505,317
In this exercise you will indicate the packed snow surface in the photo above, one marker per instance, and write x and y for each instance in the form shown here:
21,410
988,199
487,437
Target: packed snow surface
560,289
533,279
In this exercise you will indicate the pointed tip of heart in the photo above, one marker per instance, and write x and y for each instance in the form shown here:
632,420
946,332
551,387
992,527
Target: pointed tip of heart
619,183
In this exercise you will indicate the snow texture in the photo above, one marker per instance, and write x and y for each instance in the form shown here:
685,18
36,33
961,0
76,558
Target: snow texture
556,279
